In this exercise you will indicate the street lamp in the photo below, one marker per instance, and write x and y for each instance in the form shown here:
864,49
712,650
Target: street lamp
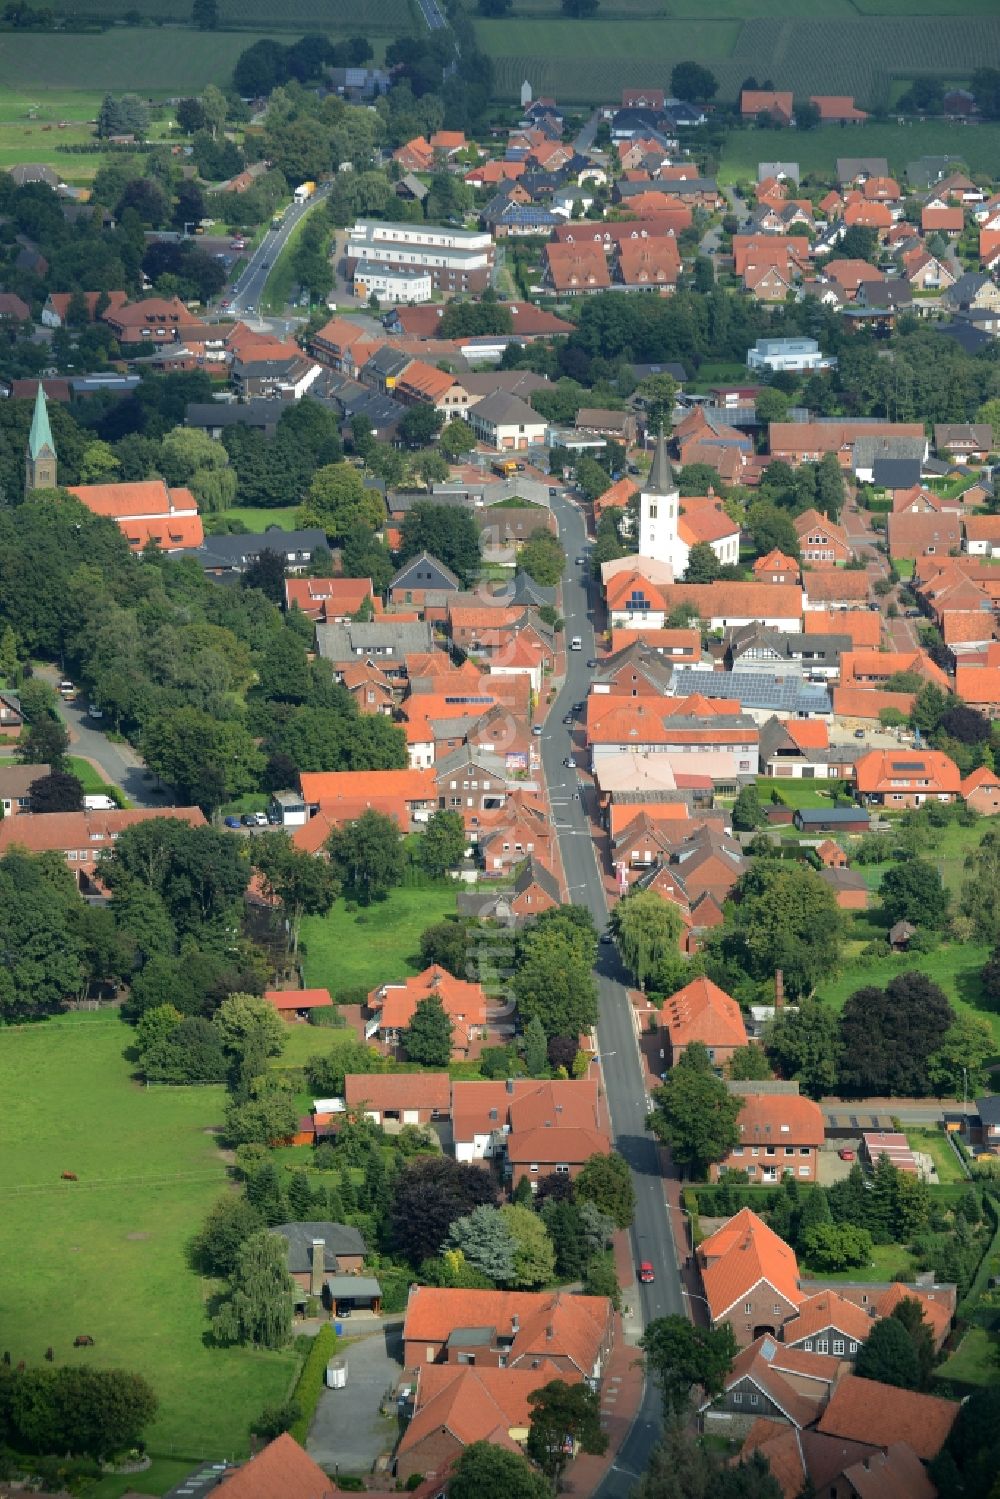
694,1296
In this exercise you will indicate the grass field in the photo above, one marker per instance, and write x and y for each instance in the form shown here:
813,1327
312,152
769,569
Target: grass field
817,150
389,17
374,944
106,1255
955,967
258,518
887,1262
147,61
833,46
976,1361
934,1143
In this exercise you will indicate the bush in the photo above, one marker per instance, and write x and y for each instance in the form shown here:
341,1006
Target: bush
310,1382
275,1419
329,1017
878,948
357,995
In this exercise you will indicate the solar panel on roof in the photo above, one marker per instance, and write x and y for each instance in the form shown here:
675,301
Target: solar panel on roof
907,765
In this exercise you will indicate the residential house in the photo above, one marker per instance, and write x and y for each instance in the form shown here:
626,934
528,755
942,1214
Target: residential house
649,264
750,1278
770,1382
981,792
850,889
947,221
392,1006
838,109
863,628
757,649
965,440
780,1134
776,567
778,106
573,269
83,838
799,749
536,889
506,423
820,539
330,600
836,588
701,1011
828,1323
875,668
906,778
634,602
146,511
155,321
344,794
912,535
864,1410
456,1404
806,442
282,1467
315,1250
508,1329
795,354
459,260
399,1097
423,582
230,555
15,785
503,837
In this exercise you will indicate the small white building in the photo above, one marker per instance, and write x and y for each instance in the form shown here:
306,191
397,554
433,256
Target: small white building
796,354
391,283
506,423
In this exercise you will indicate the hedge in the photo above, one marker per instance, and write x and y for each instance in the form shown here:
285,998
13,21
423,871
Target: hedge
310,1382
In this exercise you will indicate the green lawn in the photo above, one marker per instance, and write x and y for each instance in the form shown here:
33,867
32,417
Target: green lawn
90,777
390,17
887,1262
161,1475
106,1255
155,63
258,518
904,566
933,1142
956,967
374,944
976,1361
796,793
817,150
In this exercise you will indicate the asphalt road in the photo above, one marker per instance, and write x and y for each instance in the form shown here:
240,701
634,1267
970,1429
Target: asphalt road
432,14
119,763
245,293
623,1075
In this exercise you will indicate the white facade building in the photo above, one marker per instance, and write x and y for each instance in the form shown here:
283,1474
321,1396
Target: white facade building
391,284
795,354
669,528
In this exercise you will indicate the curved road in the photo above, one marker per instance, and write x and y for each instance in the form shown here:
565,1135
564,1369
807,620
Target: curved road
623,1074
246,291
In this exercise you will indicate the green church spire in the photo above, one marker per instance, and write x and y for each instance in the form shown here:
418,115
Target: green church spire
40,438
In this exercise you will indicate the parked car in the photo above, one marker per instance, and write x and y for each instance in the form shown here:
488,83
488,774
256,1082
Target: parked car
94,711
275,819
859,733
536,729
646,1273
576,644
232,822
592,663
66,688
845,1154
607,935
260,819
567,718
569,762
581,562
248,820
579,707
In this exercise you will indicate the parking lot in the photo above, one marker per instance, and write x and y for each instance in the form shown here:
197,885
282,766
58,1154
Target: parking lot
348,1430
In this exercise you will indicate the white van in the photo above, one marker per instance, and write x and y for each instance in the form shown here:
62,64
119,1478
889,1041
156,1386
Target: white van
576,644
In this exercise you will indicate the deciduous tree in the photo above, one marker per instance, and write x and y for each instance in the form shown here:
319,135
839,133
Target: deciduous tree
367,855
563,1416
605,1180
646,929
694,1113
258,1305
681,1356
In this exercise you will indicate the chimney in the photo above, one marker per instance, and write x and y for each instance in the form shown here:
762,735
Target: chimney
317,1266
550,1333
779,989
510,1085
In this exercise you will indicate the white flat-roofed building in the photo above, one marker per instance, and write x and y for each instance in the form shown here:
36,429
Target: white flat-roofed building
788,354
457,259
391,283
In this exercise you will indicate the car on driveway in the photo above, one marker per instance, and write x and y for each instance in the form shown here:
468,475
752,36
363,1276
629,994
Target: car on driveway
567,718
646,1273
846,1155
260,819
232,822
248,820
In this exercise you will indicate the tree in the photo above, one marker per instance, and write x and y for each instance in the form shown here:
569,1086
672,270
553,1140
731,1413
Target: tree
484,1470
449,535
980,898
646,930
534,1254
257,1307
930,707
681,1356
44,741
338,501
427,1038
230,1223
703,565
536,1062
367,855
563,1417
245,1019
205,14
76,1410
266,572
807,115
198,873
325,1074
269,1114
486,1240
749,1064
304,885
909,1313
806,1046
554,979
747,810
457,437
56,792
206,760
914,892
41,960
444,842
888,1035
888,1355
959,1063
605,1180
542,558
694,1113
785,917
420,425
689,80
430,1193
836,1246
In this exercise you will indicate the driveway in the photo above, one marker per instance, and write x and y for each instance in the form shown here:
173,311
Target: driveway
347,1431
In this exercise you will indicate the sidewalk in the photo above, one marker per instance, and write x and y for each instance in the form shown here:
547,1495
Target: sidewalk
621,1396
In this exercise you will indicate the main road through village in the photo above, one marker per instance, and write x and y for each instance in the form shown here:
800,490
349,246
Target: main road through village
620,1062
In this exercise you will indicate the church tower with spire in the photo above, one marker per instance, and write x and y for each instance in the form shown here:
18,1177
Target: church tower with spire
659,510
40,459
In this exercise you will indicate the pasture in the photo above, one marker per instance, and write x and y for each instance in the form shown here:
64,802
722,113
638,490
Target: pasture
978,146
373,944
106,1255
832,46
384,17
147,61
955,967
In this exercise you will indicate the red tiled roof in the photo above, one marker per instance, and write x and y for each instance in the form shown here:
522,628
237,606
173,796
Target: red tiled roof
476,1404
936,1307
827,584
766,101
780,1118
328,785
398,1090
827,1309
808,733
578,1323
298,999
144,497
864,1410
869,702
60,831
701,1011
738,1256
282,1468
864,626
902,769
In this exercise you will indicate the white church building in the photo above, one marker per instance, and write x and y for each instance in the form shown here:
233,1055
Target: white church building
669,526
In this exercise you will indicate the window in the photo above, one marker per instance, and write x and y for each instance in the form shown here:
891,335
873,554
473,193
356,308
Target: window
822,1345
533,1166
748,1308
789,1149
737,1397
809,1345
776,1311
804,1171
838,1345
754,1398
803,1150
854,1347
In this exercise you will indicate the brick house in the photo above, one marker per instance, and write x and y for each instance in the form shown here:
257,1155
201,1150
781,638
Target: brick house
906,778
864,1410
750,1277
531,1129
776,567
391,1007
771,1382
820,539
508,1329
827,1323
316,1250
400,1097
536,889
84,838
981,792
15,784
701,1011
780,1134
281,1468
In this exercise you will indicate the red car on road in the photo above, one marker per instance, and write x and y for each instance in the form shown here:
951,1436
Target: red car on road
646,1274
